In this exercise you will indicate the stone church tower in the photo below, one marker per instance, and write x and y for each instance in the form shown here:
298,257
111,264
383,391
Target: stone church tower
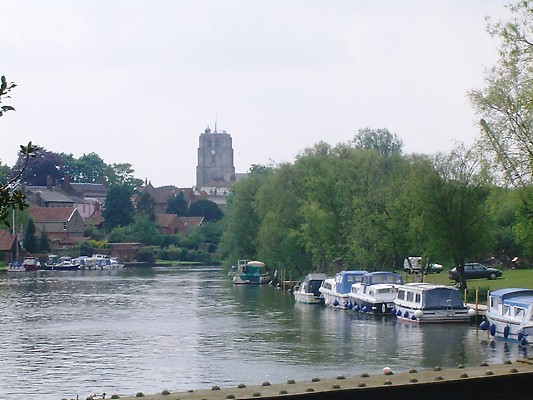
215,159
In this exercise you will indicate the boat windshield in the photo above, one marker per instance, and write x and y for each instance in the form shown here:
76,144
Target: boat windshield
442,298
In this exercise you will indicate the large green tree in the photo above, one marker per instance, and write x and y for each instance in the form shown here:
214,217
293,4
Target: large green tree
207,209
505,104
30,240
119,210
456,213
176,204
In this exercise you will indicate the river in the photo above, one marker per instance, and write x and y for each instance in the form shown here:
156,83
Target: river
144,330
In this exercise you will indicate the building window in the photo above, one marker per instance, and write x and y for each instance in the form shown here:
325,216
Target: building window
64,226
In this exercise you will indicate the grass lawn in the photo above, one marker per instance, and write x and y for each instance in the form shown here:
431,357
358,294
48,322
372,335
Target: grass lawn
522,278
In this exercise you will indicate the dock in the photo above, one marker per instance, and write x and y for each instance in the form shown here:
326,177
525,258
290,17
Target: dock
499,381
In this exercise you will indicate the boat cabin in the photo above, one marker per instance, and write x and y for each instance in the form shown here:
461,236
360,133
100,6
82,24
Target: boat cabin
345,279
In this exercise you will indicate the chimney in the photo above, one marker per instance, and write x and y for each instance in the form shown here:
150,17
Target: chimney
49,183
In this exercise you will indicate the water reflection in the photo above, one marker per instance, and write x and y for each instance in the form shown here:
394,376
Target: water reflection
82,332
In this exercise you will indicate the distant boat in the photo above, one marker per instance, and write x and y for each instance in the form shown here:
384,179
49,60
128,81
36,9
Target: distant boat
425,302
336,291
376,292
309,290
55,263
31,263
510,314
253,272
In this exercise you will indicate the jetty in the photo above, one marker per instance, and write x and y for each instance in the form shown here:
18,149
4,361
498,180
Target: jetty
510,380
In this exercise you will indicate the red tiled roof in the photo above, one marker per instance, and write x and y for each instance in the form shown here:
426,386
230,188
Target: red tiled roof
165,220
51,214
6,240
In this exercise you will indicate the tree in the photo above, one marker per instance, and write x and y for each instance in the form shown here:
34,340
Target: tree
380,140
118,209
44,243
43,164
456,215
505,104
122,174
207,209
176,204
146,205
89,168
30,240
11,196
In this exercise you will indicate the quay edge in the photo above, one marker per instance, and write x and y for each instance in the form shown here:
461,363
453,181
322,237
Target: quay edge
485,382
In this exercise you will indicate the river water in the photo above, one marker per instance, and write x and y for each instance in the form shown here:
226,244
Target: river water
64,334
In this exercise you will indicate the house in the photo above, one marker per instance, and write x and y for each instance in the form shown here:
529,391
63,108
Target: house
86,197
172,224
168,224
63,225
9,247
189,223
163,193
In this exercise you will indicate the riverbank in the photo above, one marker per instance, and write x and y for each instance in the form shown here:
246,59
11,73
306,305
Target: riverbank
507,380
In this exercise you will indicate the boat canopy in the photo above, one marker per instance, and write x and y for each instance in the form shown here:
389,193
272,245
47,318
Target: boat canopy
345,279
442,297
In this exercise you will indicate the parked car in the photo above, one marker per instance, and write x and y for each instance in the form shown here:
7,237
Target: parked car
412,265
475,271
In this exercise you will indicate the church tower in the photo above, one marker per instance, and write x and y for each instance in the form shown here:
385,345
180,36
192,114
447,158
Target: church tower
215,158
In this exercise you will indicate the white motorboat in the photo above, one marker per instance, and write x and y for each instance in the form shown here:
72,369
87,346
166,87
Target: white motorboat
336,291
425,302
510,314
309,290
376,292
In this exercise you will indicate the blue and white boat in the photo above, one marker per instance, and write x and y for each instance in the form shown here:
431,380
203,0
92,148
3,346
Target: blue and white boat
510,314
309,290
376,292
336,291
426,302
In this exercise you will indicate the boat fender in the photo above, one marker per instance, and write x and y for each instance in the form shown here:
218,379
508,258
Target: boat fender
520,335
484,325
523,341
383,308
471,312
492,329
364,309
418,314
393,311
413,317
356,307
406,314
506,331
335,303
399,313
349,306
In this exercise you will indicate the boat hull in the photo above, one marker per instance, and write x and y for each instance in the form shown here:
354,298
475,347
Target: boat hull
307,298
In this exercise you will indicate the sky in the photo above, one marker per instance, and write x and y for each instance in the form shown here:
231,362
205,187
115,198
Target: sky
138,81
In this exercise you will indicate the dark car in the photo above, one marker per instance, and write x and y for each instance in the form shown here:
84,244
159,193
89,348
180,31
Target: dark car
475,271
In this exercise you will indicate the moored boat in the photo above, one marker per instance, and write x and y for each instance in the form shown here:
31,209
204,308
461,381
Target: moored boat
253,272
308,291
425,302
376,292
55,263
510,314
336,291
31,264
